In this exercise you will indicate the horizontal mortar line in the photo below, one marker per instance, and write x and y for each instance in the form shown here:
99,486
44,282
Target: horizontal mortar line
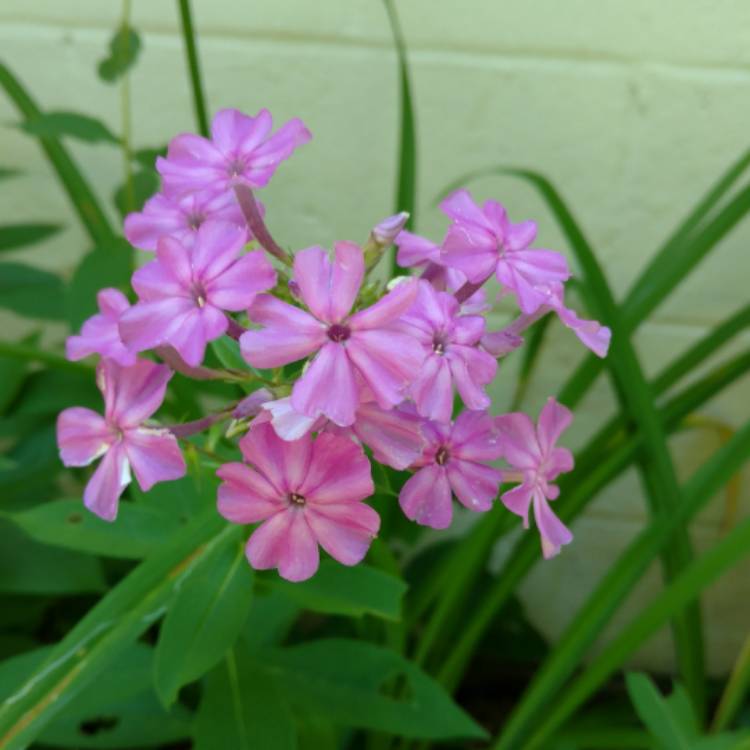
421,51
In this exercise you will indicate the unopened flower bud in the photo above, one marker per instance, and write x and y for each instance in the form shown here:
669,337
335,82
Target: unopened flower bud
251,405
387,230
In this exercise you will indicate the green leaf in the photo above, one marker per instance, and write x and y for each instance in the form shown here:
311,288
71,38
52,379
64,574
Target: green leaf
29,567
406,182
145,184
354,591
66,523
243,709
123,52
13,374
118,619
270,619
71,125
668,729
203,621
531,351
354,683
13,236
84,201
146,157
107,266
30,291
735,691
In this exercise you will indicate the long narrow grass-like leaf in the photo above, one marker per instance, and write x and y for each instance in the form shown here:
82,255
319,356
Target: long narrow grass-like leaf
684,589
597,469
116,621
79,192
612,590
194,69
406,181
736,690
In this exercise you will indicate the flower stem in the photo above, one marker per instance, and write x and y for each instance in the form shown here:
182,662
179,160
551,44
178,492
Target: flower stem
186,429
257,226
235,330
191,52
126,124
469,288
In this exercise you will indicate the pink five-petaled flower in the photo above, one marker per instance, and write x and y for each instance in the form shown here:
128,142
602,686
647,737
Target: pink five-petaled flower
184,292
131,396
451,343
180,217
100,333
532,451
241,151
306,492
482,241
455,459
353,350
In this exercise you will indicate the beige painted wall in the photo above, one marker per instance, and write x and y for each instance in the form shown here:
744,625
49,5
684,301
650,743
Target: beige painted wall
632,107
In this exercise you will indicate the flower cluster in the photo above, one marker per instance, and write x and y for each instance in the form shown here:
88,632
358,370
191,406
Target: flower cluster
353,371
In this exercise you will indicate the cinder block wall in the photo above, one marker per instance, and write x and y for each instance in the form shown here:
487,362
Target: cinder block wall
632,107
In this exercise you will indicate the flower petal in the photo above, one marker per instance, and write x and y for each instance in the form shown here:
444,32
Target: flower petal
236,287
245,496
112,476
393,436
264,449
519,440
312,272
472,369
82,436
132,394
426,498
432,391
553,531
387,309
460,206
414,250
475,485
344,530
554,419
154,456
518,501
475,437
346,279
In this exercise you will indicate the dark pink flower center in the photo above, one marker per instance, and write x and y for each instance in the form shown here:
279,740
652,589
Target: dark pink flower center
199,294
195,220
236,167
438,344
296,499
339,333
442,456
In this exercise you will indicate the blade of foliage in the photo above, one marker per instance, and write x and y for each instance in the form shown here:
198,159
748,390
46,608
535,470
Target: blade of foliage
203,621
28,567
13,236
191,53
66,523
30,292
735,691
617,583
117,620
131,197
340,590
726,553
123,52
672,729
242,708
406,182
92,217
534,340
106,266
69,124
27,353
351,680
13,372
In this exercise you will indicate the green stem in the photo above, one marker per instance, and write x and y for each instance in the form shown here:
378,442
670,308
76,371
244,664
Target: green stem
191,52
30,354
126,124
735,691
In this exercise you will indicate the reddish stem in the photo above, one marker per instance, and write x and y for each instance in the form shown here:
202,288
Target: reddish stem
254,220
469,288
171,357
186,429
234,329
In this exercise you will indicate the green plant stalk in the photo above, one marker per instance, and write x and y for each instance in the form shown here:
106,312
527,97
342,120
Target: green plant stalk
700,574
617,583
85,203
30,354
575,494
735,691
117,620
406,182
191,52
126,122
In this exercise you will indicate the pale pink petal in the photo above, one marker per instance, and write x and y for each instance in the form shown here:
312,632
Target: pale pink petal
386,231
500,343
264,449
291,333
553,531
475,485
236,287
339,472
245,496
112,476
426,498
255,131
518,501
312,272
112,302
289,423
328,387
471,250
432,391
460,207
217,245
132,394
520,236
468,329
519,440
160,216
154,456
592,334
554,419
265,158
559,461
344,530
528,272
414,250
387,309
155,280
472,369
346,278
99,335
393,436
195,330
177,261
475,437
286,542
230,127
148,324
82,436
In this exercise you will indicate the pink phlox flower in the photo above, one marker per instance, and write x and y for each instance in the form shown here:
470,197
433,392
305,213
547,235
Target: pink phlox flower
180,217
306,493
121,438
363,348
453,357
482,241
455,460
241,150
185,291
591,333
100,334
394,436
532,451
